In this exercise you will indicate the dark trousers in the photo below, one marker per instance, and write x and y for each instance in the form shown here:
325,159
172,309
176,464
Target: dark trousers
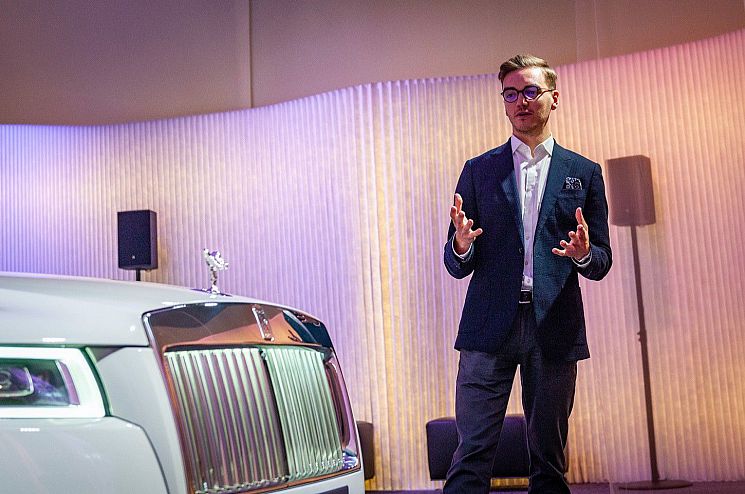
482,391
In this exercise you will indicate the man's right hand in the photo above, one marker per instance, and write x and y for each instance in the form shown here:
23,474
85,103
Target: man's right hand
464,236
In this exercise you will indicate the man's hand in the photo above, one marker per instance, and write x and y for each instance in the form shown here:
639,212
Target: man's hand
579,241
464,236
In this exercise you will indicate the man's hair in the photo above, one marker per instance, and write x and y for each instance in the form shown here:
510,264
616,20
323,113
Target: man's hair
525,61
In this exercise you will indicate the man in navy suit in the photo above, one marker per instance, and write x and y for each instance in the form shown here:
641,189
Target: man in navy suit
527,219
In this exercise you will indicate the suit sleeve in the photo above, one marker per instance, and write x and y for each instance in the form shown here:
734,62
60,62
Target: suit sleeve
596,215
460,268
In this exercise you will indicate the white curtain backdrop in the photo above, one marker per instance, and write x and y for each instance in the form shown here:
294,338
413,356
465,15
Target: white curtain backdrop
338,204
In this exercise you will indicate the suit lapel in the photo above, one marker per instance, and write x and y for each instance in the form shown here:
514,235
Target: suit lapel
557,172
506,174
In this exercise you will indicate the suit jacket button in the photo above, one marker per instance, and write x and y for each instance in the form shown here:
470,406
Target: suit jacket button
520,250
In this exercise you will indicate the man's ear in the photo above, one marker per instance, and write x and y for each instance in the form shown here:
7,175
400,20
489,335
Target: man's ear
555,96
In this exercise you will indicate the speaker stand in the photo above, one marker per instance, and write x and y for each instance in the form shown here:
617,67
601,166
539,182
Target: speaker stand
655,483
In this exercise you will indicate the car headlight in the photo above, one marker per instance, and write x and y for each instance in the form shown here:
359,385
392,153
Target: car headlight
48,383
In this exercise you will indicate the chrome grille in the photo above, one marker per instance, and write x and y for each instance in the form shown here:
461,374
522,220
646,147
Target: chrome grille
254,417
229,417
306,410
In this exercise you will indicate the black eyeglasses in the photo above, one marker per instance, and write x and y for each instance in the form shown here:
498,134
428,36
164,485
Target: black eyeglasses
531,93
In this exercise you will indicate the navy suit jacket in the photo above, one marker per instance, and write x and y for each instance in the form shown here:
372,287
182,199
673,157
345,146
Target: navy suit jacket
488,187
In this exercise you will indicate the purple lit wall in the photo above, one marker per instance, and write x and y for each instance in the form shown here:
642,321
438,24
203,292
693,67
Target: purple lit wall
338,203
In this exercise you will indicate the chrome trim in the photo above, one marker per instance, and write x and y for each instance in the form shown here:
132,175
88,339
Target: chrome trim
263,323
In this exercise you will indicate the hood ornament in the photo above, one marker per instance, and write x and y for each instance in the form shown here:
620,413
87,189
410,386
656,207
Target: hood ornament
215,263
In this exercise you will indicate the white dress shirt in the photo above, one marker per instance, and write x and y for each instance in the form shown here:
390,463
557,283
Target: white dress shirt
531,170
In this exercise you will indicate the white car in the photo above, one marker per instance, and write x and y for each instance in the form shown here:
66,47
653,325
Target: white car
127,387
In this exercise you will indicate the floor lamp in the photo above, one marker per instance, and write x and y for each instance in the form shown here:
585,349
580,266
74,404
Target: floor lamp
632,205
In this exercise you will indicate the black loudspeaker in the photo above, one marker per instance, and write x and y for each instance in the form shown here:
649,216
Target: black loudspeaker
630,191
138,239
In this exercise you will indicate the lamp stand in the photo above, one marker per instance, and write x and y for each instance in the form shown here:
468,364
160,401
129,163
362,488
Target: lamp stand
656,482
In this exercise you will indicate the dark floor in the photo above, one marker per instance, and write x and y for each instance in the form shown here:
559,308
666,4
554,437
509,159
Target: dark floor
696,488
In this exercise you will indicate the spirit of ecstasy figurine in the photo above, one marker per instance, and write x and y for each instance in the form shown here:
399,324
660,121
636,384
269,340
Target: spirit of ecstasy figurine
215,263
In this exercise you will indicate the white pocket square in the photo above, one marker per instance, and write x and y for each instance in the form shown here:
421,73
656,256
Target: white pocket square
572,183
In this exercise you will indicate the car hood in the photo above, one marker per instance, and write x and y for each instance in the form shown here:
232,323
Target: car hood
63,310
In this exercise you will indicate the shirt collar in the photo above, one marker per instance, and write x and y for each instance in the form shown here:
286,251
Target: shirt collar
523,150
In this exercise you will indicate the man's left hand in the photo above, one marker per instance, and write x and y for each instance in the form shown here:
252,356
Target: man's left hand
579,241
